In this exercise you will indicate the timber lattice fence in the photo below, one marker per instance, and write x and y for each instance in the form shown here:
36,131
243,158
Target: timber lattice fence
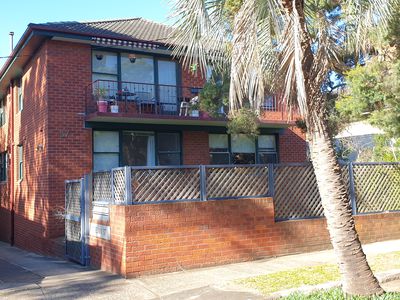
372,187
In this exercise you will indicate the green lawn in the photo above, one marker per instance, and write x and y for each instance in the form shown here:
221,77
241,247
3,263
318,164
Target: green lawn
295,278
337,294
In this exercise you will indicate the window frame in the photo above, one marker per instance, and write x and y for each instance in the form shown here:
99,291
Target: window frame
274,152
20,163
155,57
106,152
3,166
20,95
158,152
3,117
228,153
257,152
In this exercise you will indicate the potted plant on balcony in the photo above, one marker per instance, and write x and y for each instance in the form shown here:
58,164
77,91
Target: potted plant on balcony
100,94
214,96
114,106
194,107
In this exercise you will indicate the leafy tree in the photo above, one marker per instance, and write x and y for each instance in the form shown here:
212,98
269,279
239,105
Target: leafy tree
386,149
214,95
373,94
290,45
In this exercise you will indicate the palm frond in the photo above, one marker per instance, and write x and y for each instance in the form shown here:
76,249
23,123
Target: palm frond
201,35
362,17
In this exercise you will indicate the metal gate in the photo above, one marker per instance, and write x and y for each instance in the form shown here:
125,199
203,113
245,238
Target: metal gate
76,222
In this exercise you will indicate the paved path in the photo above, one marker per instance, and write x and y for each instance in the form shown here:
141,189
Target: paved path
25,275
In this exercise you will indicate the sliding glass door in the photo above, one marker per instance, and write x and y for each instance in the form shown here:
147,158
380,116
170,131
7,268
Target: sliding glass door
168,94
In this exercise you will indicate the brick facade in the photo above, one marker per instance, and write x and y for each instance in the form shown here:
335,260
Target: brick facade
168,237
58,147
292,146
195,148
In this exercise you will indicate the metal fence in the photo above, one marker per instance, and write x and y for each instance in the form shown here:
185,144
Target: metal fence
73,222
377,187
373,187
236,181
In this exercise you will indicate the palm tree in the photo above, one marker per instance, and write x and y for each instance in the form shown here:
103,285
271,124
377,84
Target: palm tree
290,45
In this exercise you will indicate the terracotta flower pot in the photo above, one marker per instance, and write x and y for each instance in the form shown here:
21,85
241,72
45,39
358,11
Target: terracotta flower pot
102,106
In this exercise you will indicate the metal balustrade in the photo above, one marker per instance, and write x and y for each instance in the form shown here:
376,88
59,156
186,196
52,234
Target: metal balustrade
138,98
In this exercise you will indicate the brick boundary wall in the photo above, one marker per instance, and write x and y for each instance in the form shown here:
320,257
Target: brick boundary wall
157,238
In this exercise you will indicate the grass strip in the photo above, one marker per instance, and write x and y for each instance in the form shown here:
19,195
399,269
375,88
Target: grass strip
314,275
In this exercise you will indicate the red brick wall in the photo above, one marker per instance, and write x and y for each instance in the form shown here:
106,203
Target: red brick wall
195,148
167,237
5,203
56,146
292,146
190,79
31,194
111,255
70,147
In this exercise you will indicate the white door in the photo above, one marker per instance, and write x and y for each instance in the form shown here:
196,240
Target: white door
168,96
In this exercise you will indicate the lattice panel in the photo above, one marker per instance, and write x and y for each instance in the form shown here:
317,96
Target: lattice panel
102,186
73,230
377,187
296,192
223,182
72,198
73,242
345,176
119,185
73,214
165,184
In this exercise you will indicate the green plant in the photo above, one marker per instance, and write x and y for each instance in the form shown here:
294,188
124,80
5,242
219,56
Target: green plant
214,95
100,93
338,294
244,121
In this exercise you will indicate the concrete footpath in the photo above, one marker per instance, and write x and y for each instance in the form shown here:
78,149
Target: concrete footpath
24,275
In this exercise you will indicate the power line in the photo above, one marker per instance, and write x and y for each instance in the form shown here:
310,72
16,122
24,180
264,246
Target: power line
12,56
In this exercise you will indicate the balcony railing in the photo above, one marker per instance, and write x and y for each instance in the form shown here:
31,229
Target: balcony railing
135,98
140,98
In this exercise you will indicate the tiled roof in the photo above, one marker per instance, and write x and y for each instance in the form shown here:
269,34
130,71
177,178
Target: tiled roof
135,28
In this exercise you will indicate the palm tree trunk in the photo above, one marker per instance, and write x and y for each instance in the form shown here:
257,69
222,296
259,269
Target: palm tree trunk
357,277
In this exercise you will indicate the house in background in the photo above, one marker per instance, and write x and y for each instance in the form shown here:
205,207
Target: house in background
356,141
77,97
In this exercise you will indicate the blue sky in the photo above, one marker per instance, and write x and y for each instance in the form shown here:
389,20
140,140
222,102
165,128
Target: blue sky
16,15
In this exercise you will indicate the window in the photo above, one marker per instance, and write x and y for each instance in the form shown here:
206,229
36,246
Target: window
243,149
2,112
169,149
20,96
105,69
267,149
219,149
141,70
105,150
20,150
105,62
3,166
269,102
138,148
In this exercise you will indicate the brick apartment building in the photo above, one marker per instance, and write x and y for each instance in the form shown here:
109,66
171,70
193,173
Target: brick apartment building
54,129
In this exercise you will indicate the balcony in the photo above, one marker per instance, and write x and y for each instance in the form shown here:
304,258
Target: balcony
135,102
106,96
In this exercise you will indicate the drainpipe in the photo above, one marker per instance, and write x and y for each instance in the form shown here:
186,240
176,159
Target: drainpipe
12,167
